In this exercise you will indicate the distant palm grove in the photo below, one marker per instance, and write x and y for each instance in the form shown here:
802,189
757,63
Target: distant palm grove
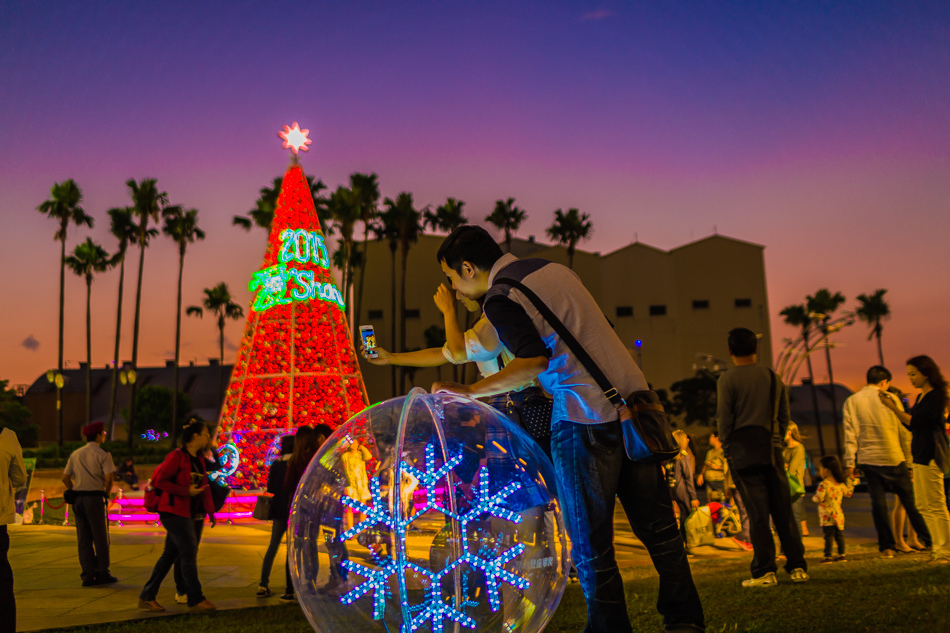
398,221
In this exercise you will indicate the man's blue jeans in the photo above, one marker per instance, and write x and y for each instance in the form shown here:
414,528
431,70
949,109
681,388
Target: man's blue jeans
592,468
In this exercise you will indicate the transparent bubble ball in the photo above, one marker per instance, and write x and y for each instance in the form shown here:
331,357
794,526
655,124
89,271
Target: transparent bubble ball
429,512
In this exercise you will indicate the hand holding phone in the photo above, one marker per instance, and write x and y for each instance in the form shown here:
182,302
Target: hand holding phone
368,337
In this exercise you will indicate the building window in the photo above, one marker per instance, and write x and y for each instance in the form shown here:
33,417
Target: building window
700,304
624,311
375,314
658,310
412,313
743,303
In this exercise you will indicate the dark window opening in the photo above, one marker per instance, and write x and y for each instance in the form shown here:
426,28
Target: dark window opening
375,314
700,304
624,311
657,310
412,313
743,303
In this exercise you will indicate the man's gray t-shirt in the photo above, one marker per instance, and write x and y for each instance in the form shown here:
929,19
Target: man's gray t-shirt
88,466
744,400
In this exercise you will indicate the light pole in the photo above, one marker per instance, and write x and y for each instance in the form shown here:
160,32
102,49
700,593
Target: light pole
56,378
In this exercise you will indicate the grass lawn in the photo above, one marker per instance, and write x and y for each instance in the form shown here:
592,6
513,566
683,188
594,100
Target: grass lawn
865,594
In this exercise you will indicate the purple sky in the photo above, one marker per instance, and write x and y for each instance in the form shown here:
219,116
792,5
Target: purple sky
821,132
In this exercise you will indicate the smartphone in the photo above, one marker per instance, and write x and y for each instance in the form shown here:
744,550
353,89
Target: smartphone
368,336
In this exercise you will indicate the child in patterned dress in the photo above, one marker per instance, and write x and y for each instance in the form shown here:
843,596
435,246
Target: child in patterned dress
833,488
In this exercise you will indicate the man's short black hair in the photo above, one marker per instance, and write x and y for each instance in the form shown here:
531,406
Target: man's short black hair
743,342
877,373
469,243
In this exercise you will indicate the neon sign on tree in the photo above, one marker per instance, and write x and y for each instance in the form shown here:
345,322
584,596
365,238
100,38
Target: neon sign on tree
296,364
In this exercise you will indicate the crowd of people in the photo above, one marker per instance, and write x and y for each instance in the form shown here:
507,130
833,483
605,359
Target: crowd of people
544,348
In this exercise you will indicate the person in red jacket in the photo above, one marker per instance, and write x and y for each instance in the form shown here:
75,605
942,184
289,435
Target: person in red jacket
185,500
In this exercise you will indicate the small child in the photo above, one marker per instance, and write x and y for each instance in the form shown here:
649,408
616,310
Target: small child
832,489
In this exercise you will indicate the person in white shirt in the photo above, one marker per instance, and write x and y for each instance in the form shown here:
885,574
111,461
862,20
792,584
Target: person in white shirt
12,478
872,440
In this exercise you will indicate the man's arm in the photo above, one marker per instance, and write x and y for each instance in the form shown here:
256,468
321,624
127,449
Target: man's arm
17,470
431,357
784,415
110,479
68,480
454,339
724,411
851,431
518,373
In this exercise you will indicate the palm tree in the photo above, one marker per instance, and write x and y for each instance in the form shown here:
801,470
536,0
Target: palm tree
63,206
147,202
366,187
508,218
218,301
386,229
798,316
344,208
568,229
873,310
182,227
87,259
822,305
122,226
447,217
262,215
408,225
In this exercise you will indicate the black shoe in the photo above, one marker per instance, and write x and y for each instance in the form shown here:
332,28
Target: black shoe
90,582
108,579
288,597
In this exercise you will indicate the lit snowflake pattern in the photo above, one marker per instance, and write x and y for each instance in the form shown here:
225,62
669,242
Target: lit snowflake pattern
434,609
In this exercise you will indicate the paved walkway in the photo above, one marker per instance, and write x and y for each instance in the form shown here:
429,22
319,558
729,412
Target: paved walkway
49,594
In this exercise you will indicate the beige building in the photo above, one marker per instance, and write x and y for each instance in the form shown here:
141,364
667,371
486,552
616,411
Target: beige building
678,304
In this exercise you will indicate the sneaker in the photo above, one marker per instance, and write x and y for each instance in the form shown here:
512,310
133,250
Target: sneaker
107,579
205,605
799,575
747,546
840,559
181,598
827,559
888,553
288,597
150,605
768,580
264,592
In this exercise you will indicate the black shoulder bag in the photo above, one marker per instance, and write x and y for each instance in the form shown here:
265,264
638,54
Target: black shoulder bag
647,434
750,448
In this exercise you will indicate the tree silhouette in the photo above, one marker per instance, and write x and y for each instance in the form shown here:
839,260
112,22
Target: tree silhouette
219,302
508,218
447,217
407,222
63,206
182,227
821,306
366,187
86,260
569,229
798,316
873,309
262,214
147,202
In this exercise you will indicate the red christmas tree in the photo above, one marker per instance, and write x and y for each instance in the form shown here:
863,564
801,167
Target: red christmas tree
296,364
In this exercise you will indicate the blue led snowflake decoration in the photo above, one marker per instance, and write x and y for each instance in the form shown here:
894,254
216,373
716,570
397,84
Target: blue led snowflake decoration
435,609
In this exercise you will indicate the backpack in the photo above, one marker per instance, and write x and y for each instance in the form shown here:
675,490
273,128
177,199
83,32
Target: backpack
153,495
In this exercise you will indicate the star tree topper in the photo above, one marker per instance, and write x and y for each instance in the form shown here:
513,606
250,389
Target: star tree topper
295,139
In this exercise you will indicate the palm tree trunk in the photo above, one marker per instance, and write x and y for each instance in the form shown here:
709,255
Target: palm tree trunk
570,258
220,368
880,350
59,365
115,356
814,397
135,337
88,349
402,312
392,325
181,267
834,400
358,315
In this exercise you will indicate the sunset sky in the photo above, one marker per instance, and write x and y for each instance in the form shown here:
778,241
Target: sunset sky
820,130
